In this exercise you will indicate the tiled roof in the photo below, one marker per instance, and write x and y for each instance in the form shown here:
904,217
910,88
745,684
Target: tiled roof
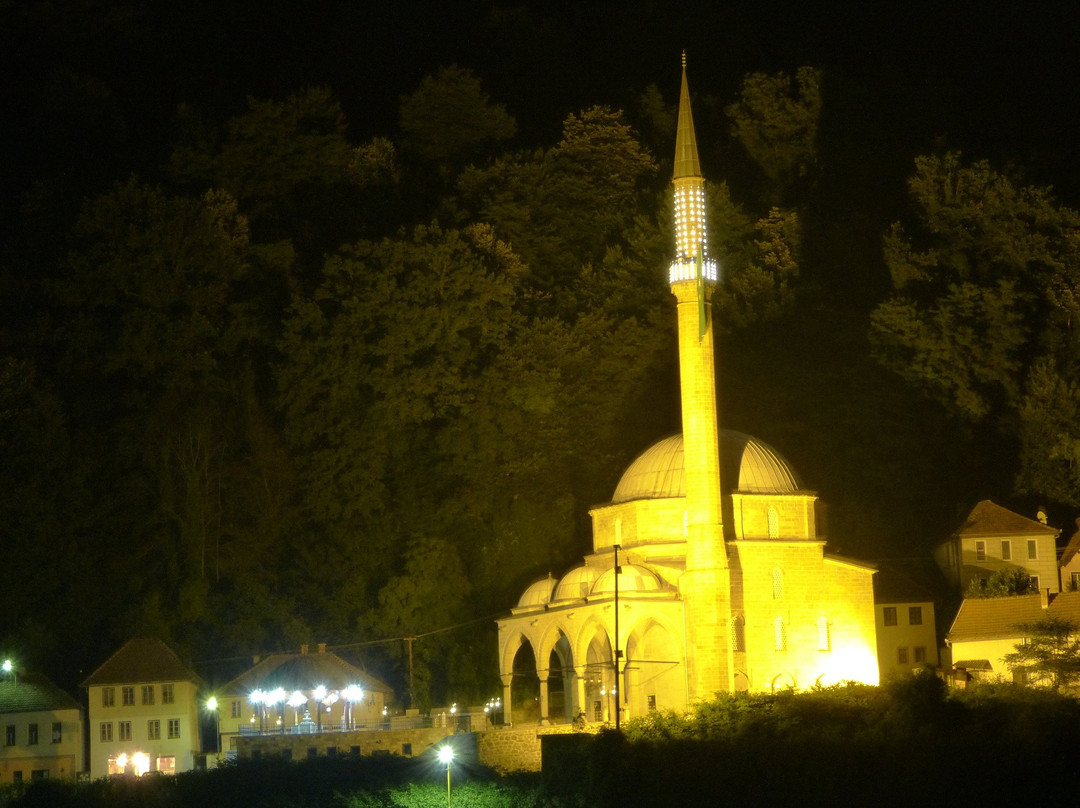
990,519
143,659
1072,547
28,692
303,671
999,618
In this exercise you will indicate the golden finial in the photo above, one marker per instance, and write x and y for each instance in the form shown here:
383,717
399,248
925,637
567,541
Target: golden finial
684,59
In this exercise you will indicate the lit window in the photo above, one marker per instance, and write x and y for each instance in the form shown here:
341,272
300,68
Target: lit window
824,641
777,583
1033,549
147,694
920,654
774,523
914,614
166,764
32,735
124,730
106,731
108,696
980,551
889,615
1006,549
153,730
167,694
57,732
780,634
902,656
738,633
174,727
127,696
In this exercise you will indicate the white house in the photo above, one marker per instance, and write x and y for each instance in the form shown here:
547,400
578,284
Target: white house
43,730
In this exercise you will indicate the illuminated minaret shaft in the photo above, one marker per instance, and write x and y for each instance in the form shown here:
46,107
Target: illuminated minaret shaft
705,585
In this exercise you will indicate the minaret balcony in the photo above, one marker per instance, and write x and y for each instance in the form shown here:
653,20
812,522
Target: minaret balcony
685,269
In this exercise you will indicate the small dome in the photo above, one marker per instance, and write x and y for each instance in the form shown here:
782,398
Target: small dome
757,468
577,583
632,579
538,594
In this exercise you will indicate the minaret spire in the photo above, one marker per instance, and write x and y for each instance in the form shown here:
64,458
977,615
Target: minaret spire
705,586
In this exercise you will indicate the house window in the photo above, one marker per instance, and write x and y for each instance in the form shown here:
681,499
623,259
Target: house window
1033,549
920,654
738,633
147,694
1074,582
902,656
652,702
108,696
779,634
39,774
889,615
777,583
166,764
980,551
167,694
914,615
153,730
824,641
127,696
124,730
16,777
32,735
774,523
106,731
1006,549
174,727
10,736
1033,582
235,709
57,732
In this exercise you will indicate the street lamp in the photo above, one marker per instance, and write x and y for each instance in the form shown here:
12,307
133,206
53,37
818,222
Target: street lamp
446,755
9,668
212,707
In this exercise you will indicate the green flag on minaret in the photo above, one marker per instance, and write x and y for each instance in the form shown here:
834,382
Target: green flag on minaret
702,322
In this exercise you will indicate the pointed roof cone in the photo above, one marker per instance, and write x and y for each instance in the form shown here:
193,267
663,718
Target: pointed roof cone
686,153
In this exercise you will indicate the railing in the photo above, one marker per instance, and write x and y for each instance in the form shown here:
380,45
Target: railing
313,728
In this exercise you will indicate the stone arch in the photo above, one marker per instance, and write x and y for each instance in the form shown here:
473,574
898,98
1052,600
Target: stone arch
559,678
742,682
597,670
655,676
521,680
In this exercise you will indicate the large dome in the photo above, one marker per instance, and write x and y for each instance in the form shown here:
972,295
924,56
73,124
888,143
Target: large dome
756,468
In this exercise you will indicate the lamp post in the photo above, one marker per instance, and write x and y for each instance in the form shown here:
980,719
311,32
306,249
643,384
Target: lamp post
212,708
446,755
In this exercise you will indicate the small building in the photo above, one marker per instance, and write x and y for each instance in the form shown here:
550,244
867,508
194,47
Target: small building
43,730
301,693
986,629
143,711
906,609
993,538
1069,565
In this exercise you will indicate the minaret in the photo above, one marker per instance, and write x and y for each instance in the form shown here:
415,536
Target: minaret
705,586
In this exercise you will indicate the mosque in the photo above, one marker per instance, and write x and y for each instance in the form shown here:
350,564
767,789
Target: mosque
708,571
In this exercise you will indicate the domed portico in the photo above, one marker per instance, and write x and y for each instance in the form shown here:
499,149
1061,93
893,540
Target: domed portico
708,571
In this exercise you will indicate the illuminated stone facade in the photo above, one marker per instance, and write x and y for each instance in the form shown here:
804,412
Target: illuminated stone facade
708,573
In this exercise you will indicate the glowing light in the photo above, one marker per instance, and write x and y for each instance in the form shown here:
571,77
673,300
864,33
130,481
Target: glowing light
446,754
319,693
297,699
277,695
257,697
8,666
140,761
353,693
211,703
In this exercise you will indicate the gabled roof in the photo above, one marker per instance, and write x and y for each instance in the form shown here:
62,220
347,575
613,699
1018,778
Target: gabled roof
1072,547
303,671
1000,618
143,659
990,519
30,692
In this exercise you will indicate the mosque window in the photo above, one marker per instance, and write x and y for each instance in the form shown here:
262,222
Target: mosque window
780,634
777,583
738,633
824,641
774,523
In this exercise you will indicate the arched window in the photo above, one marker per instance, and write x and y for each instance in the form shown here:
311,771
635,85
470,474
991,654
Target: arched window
824,641
738,633
780,634
777,583
774,523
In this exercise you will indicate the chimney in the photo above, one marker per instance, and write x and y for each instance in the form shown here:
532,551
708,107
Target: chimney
1044,598
304,648
322,648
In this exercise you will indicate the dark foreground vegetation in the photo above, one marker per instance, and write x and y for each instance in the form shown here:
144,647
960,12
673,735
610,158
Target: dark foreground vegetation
909,742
